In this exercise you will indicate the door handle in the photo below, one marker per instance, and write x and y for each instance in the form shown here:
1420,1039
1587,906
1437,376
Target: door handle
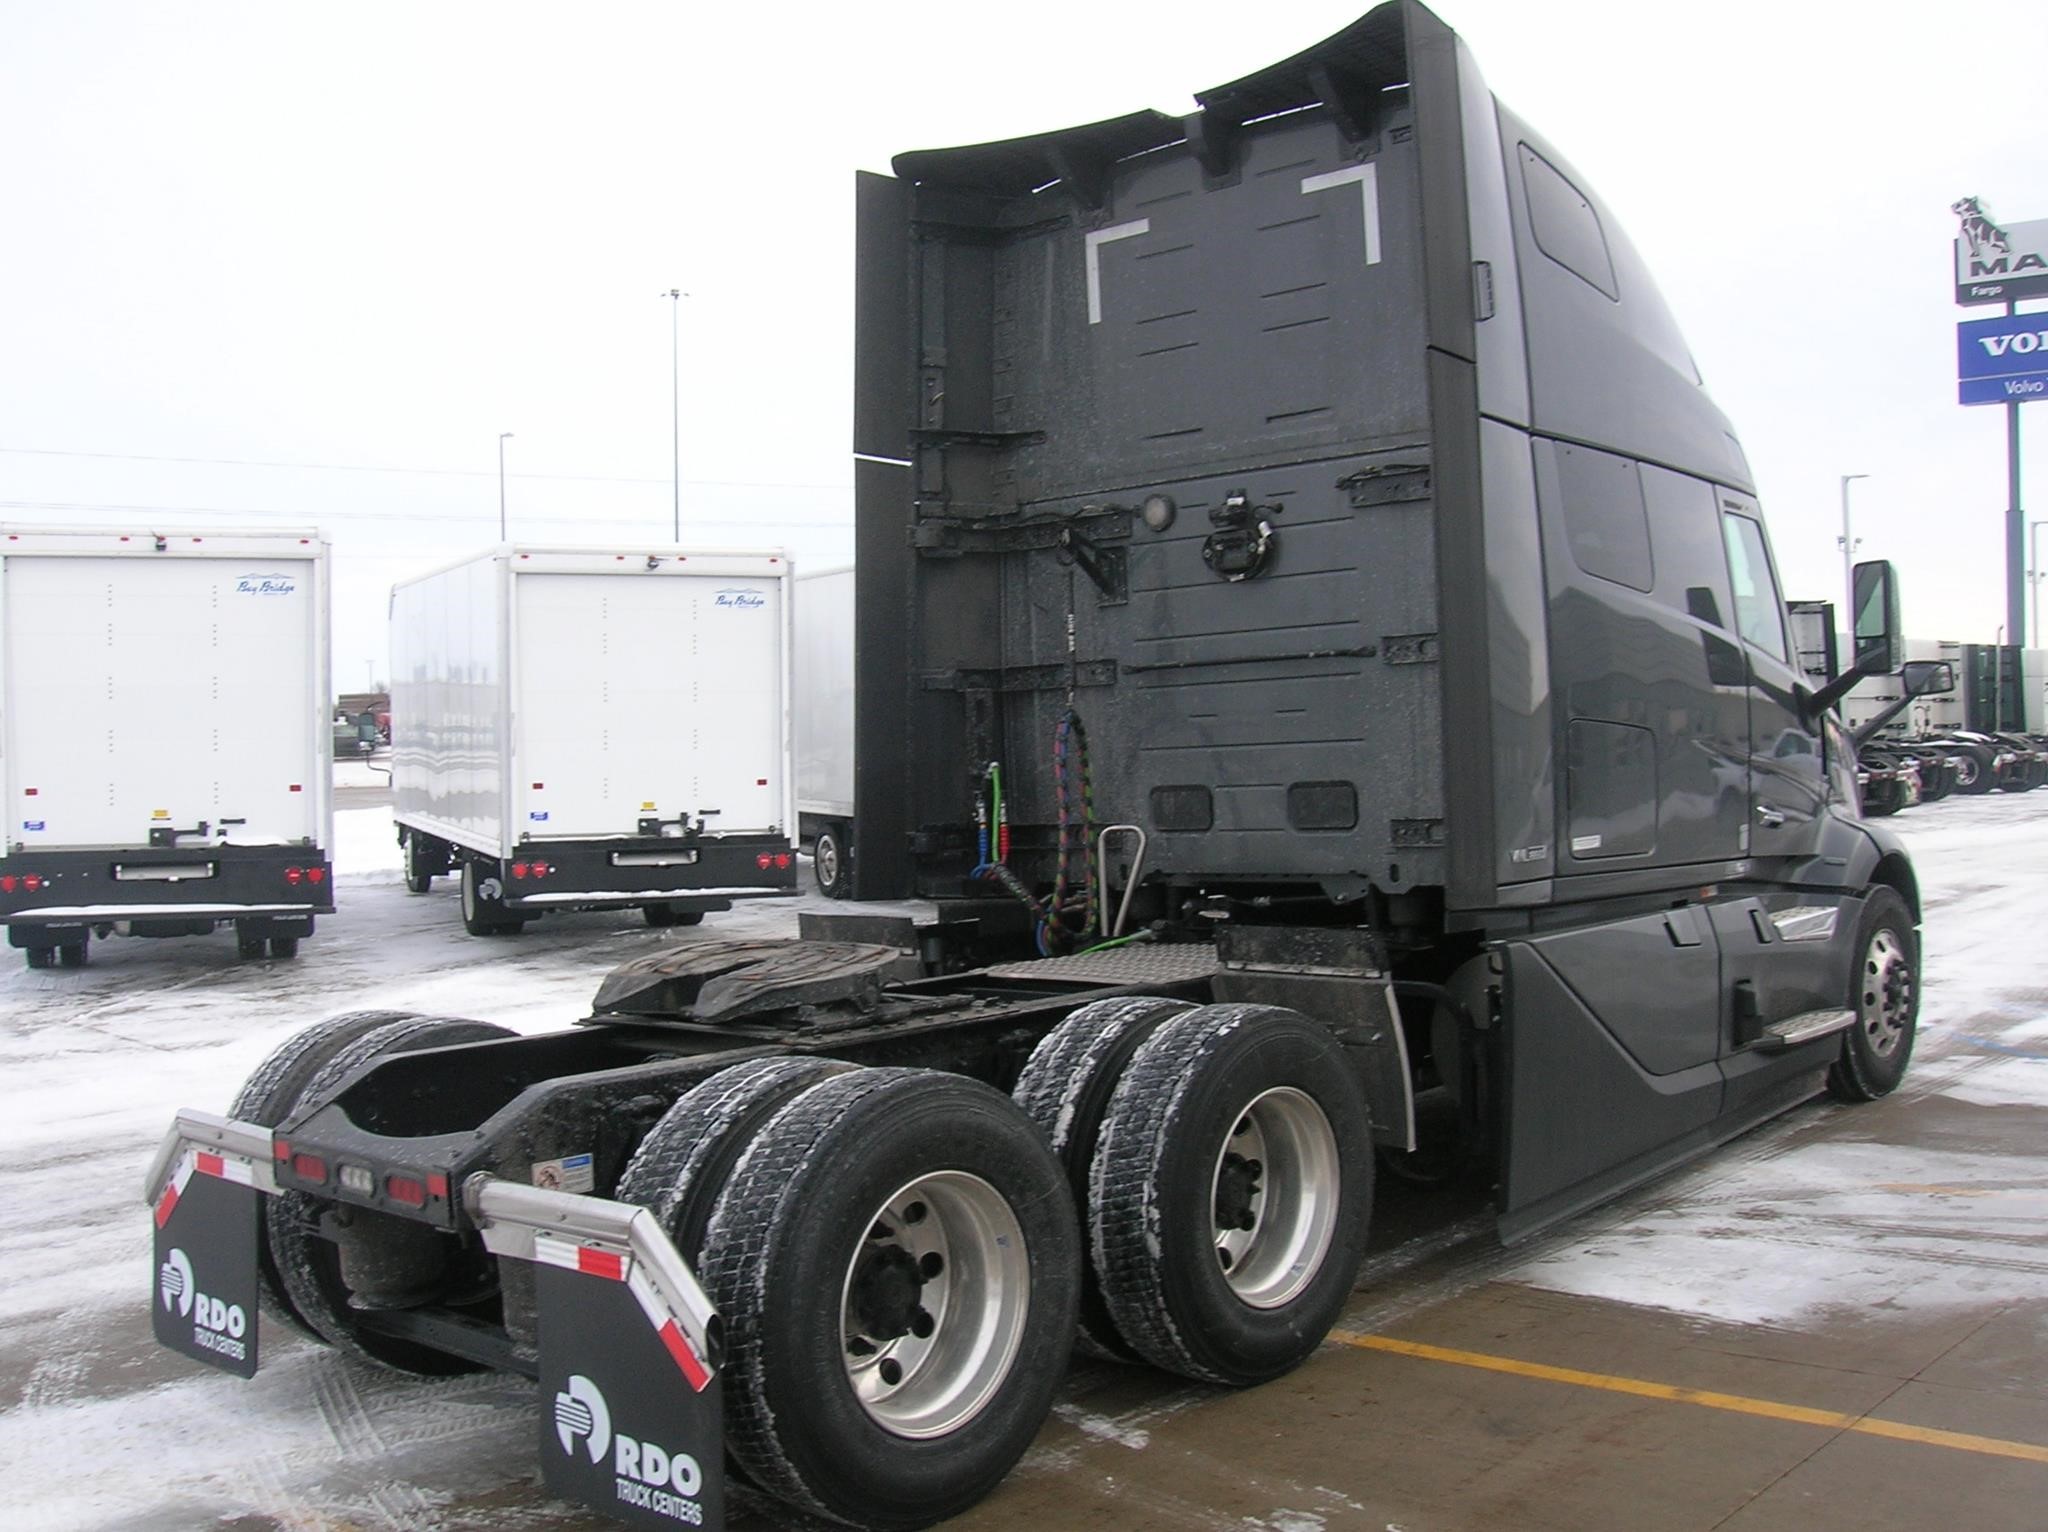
1768,816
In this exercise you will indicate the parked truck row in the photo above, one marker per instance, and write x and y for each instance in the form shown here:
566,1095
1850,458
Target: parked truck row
1321,657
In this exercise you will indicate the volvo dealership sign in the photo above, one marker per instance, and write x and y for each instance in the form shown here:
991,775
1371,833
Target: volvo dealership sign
1998,263
2002,360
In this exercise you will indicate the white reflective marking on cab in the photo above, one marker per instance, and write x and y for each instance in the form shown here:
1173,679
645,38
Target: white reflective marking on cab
1367,178
1095,241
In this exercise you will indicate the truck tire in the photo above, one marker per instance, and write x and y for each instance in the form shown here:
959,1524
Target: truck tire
72,953
662,916
1884,992
684,1161
1976,773
1065,1089
417,881
284,946
268,1096
249,946
896,1262
39,957
831,865
309,1265
482,913
1230,1193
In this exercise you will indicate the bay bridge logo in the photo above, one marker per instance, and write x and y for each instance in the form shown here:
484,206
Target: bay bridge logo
738,598
265,585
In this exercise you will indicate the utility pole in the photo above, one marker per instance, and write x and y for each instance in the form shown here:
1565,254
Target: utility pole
503,437
1849,567
675,296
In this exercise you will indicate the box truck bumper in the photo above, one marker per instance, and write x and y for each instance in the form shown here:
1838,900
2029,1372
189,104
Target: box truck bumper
623,873
121,884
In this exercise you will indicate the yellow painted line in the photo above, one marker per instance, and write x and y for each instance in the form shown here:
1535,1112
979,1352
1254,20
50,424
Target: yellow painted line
1961,1441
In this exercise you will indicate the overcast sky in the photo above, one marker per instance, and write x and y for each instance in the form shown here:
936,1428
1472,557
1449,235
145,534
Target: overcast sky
324,255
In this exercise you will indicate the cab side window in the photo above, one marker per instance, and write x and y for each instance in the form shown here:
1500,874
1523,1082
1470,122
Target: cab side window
1758,611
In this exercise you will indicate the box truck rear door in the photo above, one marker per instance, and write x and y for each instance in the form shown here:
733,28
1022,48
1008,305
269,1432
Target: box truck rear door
153,691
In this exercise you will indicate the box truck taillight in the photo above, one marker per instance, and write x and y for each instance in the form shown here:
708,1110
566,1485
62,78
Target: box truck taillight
523,870
406,1191
297,875
26,882
765,860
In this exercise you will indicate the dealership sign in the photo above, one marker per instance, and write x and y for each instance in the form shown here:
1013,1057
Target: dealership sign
2002,360
1999,263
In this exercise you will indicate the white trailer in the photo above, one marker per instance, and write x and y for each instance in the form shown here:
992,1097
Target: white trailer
166,741
824,725
595,728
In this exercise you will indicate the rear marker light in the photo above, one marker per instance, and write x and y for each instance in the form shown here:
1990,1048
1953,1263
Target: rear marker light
30,792
310,1167
280,1151
519,869
8,883
357,1179
31,882
760,781
782,859
437,1186
296,788
294,875
404,1189
764,861
316,874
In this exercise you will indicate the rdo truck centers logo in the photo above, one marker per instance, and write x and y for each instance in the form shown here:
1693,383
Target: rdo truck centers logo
216,1326
643,1474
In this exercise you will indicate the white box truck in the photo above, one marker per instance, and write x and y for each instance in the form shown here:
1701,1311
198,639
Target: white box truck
824,725
166,737
580,728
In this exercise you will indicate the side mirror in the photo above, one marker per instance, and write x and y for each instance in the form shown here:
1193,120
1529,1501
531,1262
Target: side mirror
1877,635
1920,678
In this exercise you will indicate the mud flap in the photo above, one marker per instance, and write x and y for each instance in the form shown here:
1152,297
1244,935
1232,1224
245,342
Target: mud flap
632,1410
631,1418
203,1288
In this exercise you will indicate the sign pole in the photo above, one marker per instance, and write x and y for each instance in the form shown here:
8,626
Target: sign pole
2015,519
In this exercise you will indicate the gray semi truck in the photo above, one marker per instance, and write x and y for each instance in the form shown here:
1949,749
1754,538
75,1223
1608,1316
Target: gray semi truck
1322,658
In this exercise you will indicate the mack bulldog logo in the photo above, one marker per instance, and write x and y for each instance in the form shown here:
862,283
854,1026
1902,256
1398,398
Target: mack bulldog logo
1984,236
1998,262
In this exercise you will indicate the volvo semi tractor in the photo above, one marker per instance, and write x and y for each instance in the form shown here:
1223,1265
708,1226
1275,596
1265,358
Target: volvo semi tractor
1312,613
165,703
594,729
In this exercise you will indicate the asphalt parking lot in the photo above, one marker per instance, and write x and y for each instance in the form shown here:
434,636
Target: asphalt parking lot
1835,1321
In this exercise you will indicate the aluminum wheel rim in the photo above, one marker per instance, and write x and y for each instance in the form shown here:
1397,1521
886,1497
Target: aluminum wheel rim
1274,1196
944,1259
1884,996
827,860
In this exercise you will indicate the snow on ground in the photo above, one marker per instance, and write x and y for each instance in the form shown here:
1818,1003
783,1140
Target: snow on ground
1916,1204
1937,1198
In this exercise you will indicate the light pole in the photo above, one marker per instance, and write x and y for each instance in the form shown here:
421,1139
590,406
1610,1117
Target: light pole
1849,564
2034,573
675,296
503,437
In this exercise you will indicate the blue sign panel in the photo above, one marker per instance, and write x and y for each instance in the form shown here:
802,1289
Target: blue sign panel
2003,360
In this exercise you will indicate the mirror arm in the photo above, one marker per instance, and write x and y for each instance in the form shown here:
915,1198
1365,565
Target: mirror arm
1825,699
1868,729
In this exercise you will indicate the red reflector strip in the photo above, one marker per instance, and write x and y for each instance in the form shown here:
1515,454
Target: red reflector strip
601,1263
211,1165
685,1355
165,1205
280,1150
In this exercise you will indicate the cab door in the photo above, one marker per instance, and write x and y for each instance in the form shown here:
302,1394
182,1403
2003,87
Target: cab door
1787,775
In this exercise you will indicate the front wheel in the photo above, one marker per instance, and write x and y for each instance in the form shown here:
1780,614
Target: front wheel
897,1263
1230,1193
1884,992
